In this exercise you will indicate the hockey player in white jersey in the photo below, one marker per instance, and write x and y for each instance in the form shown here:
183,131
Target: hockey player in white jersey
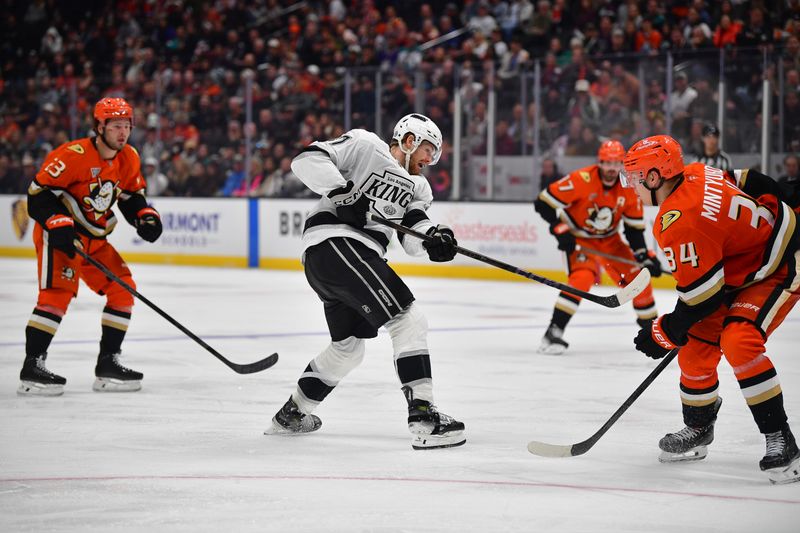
359,175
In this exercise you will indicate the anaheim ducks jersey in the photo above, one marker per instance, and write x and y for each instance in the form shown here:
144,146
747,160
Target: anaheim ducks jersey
362,157
88,185
590,209
716,238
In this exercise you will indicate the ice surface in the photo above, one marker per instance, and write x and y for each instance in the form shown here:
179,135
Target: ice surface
187,452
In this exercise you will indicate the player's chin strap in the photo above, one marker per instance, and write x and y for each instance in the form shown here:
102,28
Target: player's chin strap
408,155
105,141
654,189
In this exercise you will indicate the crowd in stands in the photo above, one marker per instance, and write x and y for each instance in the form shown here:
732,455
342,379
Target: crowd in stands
186,65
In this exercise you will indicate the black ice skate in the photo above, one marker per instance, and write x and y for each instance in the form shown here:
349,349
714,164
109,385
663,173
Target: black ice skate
552,343
430,428
289,420
111,376
782,460
690,443
36,380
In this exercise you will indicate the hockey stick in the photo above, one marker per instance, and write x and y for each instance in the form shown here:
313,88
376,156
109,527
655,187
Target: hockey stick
627,293
616,258
592,251
570,450
249,368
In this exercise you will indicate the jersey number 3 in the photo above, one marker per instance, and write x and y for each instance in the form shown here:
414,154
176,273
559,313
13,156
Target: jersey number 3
56,167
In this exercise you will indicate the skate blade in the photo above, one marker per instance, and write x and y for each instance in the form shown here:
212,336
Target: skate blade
116,385
277,429
782,476
31,388
695,454
431,442
552,349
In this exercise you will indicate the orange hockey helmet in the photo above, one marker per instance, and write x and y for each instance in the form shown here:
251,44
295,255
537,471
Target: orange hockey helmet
108,108
611,151
659,152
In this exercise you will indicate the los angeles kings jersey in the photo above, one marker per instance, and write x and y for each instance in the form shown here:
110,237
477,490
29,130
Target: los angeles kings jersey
716,238
589,208
362,157
88,185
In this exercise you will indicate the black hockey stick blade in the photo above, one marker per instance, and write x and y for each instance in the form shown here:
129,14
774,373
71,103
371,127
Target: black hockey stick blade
625,294
247,368
571,450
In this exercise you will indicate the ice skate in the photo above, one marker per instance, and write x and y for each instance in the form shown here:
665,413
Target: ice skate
552,343
781,463
429,428
690,443
111,376
289,420
36,380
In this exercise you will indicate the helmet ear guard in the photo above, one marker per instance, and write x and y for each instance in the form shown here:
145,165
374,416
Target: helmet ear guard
423,129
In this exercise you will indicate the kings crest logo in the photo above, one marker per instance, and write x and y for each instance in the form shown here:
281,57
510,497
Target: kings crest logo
390,193
19,218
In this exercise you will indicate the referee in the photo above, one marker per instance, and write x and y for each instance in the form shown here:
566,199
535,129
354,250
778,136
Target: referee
712,155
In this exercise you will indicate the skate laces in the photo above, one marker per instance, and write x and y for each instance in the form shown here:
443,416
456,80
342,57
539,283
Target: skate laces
41,366
687,433
775,443
115,357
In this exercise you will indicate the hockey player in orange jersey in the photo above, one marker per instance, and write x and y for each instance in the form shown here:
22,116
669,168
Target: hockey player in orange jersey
585,209
70,198
736,262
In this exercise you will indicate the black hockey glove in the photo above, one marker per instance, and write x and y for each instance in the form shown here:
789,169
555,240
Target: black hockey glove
653,342
61,234
148,224
566,240
649,261
443,247
351,205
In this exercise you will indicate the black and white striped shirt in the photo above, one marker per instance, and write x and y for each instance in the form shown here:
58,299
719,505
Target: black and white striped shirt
720,160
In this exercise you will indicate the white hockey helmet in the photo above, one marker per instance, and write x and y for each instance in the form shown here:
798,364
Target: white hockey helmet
423,129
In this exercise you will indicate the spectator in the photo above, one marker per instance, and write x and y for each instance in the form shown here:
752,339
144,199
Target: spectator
726,32
584,105
157,182
679,101
234,177
549,173
790,181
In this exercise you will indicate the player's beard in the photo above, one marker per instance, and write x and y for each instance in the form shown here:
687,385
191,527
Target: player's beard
114,144
609,181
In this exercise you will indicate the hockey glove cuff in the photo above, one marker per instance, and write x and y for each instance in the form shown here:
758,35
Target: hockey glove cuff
351,205
647,259
61,234
148,224
566,240
443,246
654,342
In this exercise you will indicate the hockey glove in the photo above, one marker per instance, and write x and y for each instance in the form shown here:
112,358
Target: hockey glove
566,240
351,205
654,342
61,234
148,224
649,261
443,247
